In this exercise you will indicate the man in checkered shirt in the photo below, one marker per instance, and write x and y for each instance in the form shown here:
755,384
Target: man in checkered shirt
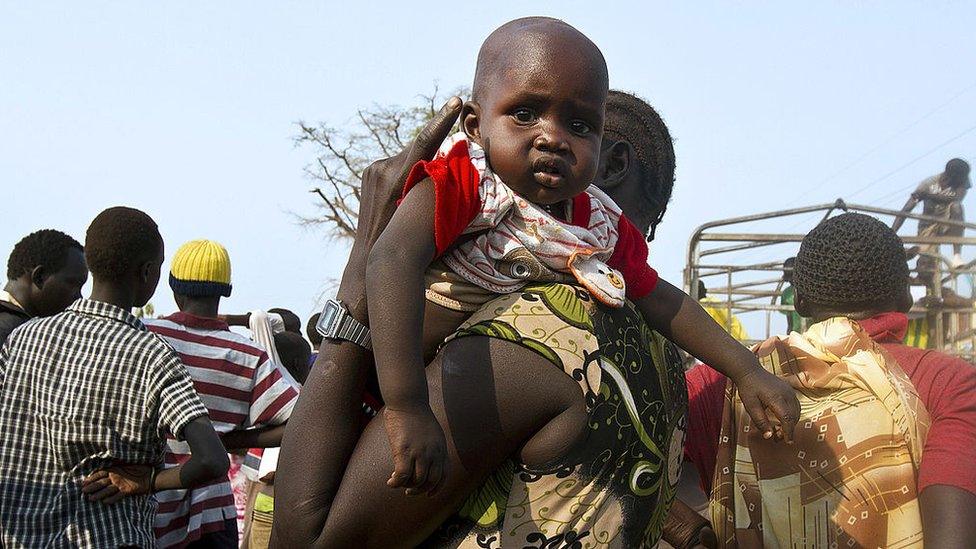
86,399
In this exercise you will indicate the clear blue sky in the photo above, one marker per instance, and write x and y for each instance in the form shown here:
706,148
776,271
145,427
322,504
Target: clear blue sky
187,109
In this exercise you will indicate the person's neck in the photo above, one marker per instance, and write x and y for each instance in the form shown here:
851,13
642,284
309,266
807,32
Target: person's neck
853,315
205,308
20,290
113,294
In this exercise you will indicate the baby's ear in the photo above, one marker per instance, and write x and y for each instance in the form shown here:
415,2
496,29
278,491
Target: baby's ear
471,121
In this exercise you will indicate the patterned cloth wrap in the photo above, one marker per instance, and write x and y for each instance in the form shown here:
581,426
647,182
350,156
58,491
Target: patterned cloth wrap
618,488
849,478
516,241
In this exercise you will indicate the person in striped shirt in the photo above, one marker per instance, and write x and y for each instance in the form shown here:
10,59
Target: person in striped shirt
249,396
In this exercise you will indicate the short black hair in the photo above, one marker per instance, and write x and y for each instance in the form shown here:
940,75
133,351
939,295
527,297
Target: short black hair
46,247
851,262
702,290
118,240
292,322
294,353
313,335
629,118
957,166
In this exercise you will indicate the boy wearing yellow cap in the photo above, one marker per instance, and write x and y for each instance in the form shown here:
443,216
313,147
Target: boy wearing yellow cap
248,395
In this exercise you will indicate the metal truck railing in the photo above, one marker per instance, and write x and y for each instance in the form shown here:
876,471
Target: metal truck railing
724,257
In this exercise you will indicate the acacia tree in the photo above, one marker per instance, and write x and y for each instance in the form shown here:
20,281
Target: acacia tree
342,153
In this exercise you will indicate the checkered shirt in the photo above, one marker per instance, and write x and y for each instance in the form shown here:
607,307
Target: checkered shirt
80,391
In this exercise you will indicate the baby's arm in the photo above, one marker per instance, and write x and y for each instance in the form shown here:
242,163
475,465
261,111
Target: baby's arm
395,298
681,319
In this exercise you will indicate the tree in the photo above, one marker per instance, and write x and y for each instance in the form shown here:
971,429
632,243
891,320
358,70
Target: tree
342,153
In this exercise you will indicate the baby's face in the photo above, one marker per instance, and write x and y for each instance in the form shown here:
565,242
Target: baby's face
541,124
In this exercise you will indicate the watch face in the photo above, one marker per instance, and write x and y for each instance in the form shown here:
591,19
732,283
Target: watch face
326,325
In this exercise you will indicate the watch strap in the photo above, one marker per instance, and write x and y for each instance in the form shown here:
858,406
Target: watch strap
355,331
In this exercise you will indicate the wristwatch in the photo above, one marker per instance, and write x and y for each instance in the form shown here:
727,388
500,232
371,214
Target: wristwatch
336,324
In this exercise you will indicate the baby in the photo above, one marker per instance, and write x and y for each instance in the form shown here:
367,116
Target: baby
510,202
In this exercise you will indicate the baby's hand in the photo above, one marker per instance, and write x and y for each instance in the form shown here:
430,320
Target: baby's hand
419,450
761,391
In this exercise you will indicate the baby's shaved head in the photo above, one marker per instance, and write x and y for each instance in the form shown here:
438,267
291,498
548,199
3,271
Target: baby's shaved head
532,40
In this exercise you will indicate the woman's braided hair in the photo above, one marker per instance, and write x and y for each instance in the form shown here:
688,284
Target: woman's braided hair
851,262
629,118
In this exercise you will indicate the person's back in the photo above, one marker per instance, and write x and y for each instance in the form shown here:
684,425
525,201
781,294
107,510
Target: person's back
85,388
887,428
238,383
86,397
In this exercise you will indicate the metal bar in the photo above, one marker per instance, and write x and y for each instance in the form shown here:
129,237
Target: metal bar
782,238
745,291
736,247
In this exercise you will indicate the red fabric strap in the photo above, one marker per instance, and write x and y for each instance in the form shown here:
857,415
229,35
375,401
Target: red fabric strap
456,198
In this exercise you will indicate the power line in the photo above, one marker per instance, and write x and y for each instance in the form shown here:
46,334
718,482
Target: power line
889,139
912,161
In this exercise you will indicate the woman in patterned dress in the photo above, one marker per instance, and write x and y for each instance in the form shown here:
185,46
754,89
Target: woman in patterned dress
567,434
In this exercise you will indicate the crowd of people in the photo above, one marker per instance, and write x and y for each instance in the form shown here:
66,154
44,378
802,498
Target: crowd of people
500,367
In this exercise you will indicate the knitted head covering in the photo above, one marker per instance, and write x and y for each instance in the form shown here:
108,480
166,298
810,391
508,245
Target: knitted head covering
201,268
850,262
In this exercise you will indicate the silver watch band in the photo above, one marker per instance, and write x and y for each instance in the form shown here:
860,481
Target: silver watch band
353,330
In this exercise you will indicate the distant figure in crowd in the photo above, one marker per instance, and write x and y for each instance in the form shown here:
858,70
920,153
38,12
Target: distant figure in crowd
794,322
884,449
941,197
89,389
45,273
247,395
295,353
314,337
720,314
291,321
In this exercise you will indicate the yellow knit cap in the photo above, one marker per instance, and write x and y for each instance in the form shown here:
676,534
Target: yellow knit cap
201,268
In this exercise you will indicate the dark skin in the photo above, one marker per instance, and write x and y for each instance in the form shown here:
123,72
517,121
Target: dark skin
44,292
540,121
948,512
209,459
621,177
331,481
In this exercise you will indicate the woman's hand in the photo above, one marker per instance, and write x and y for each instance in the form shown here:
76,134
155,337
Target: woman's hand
419,450
114,483
761,391
383,182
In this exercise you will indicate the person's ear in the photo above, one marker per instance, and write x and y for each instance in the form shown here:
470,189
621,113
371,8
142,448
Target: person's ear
471,120
38,275
146,271
616,161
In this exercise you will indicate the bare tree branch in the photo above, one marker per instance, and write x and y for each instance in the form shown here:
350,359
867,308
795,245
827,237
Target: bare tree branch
343,153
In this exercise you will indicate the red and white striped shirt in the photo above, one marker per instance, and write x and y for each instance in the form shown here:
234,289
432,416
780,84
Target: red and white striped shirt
241,388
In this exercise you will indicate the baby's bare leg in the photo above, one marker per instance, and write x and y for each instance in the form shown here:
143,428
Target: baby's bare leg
439,323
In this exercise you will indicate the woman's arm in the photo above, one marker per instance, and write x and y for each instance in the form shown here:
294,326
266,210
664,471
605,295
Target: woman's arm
324,427
681,319
948,517
395,286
